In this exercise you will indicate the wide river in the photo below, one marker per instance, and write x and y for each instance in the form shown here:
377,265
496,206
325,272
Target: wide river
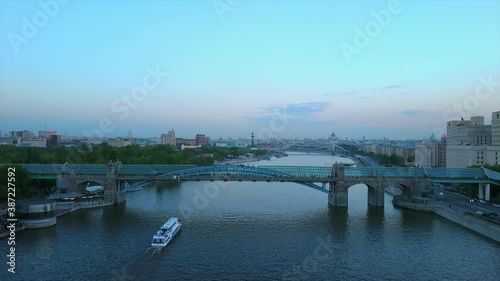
253,231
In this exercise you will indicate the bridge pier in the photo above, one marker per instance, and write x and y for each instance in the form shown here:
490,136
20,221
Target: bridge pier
376,195
338,197
484,191
112,186
338,188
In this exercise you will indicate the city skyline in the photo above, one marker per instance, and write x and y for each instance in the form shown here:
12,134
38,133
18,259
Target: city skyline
297,69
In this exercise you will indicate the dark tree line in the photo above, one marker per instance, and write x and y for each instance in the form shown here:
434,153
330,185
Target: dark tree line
132,154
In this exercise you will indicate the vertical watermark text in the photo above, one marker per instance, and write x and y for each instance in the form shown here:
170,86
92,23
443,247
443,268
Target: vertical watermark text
11,218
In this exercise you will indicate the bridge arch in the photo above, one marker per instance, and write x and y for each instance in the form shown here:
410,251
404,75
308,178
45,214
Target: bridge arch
82,184
375,192
226,170
243,172
77,183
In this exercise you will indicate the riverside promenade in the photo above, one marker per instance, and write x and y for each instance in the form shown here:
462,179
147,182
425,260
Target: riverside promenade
62,209
452,212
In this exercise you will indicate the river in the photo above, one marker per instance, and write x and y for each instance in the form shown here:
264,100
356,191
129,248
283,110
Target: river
253,231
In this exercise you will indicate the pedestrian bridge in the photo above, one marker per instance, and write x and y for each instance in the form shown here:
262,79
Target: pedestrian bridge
333,180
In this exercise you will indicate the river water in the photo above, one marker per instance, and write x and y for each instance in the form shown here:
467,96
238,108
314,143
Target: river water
253,231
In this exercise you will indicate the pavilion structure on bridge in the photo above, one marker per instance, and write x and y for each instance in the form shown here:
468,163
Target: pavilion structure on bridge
333,180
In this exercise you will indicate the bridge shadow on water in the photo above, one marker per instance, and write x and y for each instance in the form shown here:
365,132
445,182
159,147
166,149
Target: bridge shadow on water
345,222
164,186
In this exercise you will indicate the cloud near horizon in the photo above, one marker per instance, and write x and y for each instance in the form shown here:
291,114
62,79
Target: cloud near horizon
410,112
294,110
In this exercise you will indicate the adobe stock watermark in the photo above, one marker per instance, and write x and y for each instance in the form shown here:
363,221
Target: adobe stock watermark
32,26
124,104
222,7
485,89
312,262
201,199
363,37
277,124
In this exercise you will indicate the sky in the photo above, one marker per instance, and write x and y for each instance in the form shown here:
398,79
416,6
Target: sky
395,69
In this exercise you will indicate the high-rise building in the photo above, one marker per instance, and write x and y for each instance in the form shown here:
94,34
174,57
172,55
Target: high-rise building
470,142
46,134
468,132
462,156
201,139
495,128
168,138
163,139
171,137
53,140
22,134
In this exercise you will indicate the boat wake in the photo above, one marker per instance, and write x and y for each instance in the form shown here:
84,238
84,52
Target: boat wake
154,250
146,267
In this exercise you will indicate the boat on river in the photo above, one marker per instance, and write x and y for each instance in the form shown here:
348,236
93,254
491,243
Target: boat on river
167,233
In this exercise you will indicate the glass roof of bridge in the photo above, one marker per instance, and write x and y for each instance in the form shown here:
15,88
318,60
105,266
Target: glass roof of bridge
383,172
301,171
492,174
100,169
297,171
455,173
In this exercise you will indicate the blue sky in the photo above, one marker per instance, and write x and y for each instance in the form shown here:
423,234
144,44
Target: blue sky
229,68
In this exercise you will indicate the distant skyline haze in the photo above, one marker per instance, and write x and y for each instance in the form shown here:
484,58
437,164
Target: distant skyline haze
225,68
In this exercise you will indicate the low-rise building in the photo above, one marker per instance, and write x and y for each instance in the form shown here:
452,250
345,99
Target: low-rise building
33,142
189,146
119,142
430,154
22,134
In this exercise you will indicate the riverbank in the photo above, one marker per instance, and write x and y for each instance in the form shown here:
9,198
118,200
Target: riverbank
451,213
19,227
63,209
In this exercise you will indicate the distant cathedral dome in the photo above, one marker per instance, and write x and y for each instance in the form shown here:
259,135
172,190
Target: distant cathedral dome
333,136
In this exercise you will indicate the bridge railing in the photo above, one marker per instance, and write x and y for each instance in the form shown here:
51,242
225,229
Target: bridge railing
475,173
383,172
305,171
265,170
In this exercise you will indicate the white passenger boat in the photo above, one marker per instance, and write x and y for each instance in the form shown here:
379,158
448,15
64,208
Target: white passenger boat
167,233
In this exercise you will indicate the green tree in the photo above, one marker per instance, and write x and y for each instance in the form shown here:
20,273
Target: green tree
19,179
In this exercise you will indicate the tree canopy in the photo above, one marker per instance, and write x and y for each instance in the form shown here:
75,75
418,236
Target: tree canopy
132,154
19,179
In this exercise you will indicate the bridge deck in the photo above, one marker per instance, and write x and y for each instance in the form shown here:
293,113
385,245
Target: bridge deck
319,172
